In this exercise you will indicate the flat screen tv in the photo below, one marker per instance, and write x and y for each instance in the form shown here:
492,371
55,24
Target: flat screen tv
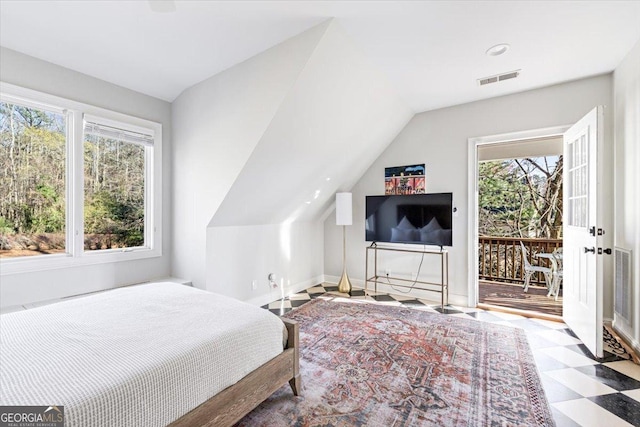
421,219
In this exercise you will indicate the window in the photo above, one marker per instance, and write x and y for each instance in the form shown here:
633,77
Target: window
114,178
78,184
33,147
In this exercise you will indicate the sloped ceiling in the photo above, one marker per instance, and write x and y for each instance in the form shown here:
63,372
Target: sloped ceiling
335,121
216,126
432,51
270,140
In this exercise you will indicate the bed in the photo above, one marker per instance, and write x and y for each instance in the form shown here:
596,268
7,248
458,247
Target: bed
150,355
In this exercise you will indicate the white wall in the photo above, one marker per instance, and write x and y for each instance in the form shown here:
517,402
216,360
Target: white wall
293,252
439,139
273,173
333,123
626,82
216,126
32,73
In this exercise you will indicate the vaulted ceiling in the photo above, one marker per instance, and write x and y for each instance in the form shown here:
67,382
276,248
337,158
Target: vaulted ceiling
432,52
269,142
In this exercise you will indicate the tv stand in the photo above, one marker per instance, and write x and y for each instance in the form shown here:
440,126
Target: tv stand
441,287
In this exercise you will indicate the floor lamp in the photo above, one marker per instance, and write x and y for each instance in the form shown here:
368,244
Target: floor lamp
344,218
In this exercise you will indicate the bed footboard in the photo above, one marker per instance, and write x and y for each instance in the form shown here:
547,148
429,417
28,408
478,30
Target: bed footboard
293,342
231,404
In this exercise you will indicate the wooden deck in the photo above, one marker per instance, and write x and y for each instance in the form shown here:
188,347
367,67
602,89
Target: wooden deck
512,296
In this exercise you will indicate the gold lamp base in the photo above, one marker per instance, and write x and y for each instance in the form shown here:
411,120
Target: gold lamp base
344,285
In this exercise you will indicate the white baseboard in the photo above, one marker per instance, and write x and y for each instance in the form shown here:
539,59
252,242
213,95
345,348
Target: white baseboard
291,289
357,283
454,299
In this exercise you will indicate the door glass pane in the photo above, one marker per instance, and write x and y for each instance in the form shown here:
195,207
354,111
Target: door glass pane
577,192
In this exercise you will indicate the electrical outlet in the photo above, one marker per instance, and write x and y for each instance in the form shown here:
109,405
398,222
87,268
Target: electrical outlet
272,280
254,285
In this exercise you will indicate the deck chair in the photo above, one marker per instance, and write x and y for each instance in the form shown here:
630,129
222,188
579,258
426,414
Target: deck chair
530,269
554,290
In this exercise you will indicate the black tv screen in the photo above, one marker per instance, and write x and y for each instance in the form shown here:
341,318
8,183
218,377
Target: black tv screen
422,219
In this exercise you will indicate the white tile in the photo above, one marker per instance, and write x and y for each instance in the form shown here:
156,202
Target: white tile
280,304
300,296
558,337
567,356
518,325
589,414
338,294
402,297
391,303
503,323
460,315
550,324
316,290
506,316
634,394
423,308
468,309
626,367
579,382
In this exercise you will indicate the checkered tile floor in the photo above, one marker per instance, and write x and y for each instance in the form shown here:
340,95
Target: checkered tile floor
582,391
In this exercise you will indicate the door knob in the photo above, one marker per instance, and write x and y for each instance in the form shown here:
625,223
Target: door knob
587,250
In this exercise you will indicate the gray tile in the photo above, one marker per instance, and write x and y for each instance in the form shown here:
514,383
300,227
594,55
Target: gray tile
557,392
298,302
610,377
623,406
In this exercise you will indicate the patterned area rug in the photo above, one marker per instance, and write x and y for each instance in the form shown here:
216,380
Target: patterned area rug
375,365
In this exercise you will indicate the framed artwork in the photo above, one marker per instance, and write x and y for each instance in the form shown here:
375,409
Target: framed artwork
405,180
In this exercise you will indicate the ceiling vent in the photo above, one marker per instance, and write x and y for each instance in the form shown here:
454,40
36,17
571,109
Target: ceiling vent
498,78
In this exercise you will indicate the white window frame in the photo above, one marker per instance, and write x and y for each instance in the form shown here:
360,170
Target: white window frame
75,254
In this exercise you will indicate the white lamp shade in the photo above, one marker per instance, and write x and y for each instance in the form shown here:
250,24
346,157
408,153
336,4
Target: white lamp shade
343,209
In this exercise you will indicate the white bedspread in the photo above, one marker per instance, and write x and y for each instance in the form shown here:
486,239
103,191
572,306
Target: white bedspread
136,356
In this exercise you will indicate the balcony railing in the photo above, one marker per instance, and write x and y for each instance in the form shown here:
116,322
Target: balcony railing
500,258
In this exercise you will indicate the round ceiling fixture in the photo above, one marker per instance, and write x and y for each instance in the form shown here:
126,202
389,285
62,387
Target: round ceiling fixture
498,49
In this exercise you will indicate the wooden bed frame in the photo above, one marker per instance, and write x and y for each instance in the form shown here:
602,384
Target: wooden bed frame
231,404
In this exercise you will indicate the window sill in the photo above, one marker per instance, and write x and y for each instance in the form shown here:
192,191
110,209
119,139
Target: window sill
52,262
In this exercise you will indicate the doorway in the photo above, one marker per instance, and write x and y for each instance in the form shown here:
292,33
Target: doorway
520,226
516,221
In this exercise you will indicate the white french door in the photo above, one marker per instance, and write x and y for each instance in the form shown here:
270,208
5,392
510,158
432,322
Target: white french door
582,232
